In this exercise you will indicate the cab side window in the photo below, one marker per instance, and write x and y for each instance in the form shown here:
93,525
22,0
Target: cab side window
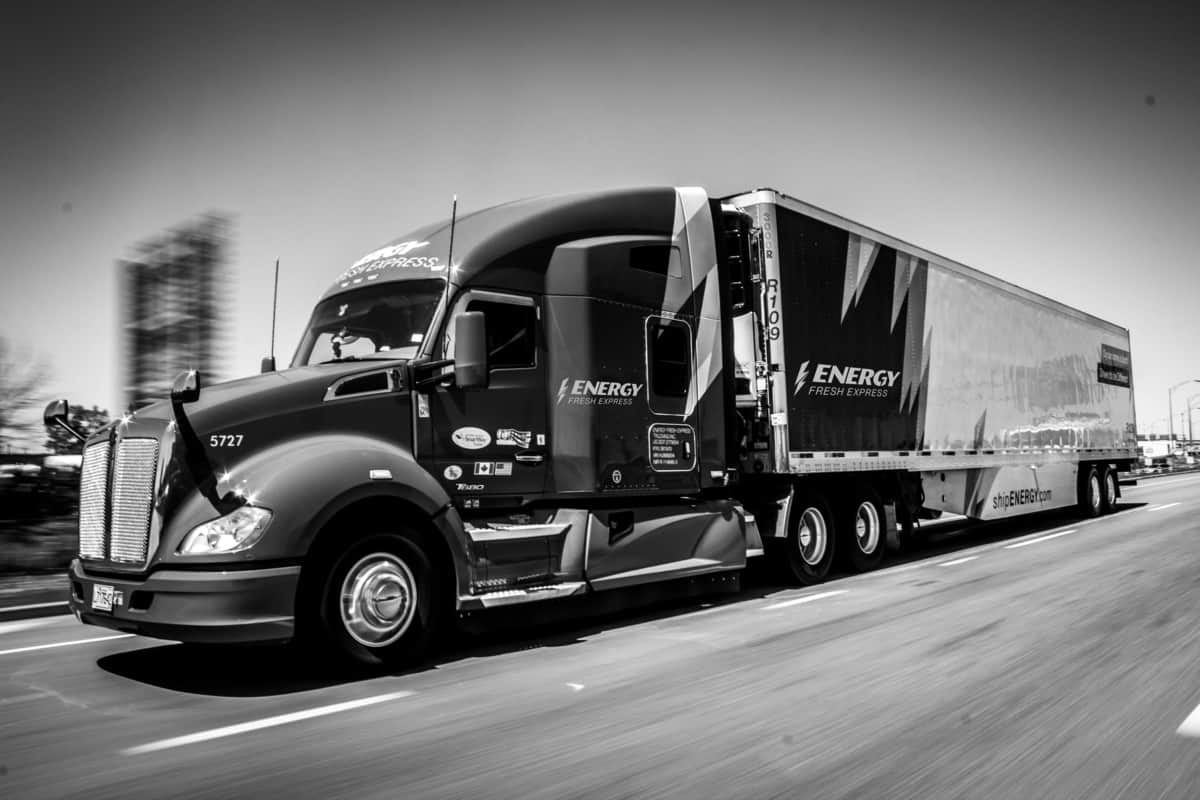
511,333
669,356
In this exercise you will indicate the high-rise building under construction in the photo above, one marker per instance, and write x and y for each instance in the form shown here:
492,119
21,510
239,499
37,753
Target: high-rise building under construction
173,306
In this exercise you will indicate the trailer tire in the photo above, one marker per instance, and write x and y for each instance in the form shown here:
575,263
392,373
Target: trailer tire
863,526
374,605
811,539
1108,489
1090,492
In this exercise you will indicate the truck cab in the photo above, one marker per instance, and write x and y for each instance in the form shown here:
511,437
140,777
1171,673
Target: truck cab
532,401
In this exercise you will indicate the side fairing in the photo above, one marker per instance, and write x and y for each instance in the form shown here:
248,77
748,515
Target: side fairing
629,410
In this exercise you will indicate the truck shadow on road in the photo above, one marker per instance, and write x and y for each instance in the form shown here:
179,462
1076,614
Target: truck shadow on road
270,670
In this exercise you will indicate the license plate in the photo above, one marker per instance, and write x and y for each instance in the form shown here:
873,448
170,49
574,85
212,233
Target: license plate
102,597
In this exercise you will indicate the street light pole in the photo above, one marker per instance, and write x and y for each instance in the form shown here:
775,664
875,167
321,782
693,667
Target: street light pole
1191,435
1171,412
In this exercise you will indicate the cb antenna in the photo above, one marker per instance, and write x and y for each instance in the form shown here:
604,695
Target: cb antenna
450,255
268,363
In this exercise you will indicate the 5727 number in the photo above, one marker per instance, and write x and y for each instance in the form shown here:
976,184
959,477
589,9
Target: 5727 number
225,440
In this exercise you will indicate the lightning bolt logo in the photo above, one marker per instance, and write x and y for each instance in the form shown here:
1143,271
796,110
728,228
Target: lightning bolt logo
801,377
562,390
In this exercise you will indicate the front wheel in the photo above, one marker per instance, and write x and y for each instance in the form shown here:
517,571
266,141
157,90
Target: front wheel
810,540
376,602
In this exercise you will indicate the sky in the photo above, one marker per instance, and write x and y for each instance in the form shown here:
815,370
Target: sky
1053,145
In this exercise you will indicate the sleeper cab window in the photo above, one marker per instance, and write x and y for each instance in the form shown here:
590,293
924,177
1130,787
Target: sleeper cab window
511,333
657,259
669,364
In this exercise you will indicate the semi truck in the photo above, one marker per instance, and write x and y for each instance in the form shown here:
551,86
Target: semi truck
578,394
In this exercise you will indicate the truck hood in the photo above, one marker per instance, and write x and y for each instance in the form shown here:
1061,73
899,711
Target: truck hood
259,397
235,422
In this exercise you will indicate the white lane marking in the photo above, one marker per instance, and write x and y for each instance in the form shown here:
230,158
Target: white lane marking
257,725
957,561
982,548
64,644
1165,505
576,686
1191,725
32,606
800,600
22,698
15,625
1155,483
1038,539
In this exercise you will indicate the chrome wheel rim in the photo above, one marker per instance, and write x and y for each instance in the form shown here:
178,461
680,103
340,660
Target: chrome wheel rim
379,599
1110,485
866,527
1094,490
812,536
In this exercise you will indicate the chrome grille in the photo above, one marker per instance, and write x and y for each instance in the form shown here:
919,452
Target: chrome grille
93,484
132,499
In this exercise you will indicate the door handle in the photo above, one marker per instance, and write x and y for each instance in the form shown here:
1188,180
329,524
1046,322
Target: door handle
530,457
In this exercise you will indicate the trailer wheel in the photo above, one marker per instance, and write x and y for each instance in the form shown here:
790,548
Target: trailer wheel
864,532
811,540
1091,492
376,603
1108,490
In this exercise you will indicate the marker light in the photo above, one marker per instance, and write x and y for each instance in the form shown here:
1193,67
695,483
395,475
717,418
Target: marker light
232,533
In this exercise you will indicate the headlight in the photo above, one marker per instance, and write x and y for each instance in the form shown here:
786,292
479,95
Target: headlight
231,533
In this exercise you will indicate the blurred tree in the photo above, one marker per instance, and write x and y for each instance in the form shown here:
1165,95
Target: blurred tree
85,420
21,379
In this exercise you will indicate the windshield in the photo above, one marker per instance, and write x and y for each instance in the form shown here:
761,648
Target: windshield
389,320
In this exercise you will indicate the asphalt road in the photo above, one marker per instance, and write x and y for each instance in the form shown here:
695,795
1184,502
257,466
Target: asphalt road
1050,659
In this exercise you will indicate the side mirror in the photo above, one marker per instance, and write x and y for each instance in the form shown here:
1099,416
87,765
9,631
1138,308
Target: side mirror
56,413
186,388
470,351
268,364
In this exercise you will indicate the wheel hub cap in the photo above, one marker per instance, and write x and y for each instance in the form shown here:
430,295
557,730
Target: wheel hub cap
378,599
812,536
866,527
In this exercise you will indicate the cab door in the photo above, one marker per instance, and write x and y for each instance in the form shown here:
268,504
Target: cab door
489,445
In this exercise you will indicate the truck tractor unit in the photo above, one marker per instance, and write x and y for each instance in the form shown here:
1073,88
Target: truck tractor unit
576,394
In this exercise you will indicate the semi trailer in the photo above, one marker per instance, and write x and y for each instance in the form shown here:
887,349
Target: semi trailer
577,394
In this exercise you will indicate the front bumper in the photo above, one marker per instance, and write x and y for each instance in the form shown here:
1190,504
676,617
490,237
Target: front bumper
226,606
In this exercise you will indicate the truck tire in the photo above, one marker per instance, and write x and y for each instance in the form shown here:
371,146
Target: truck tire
811,539
863,527
375,604
1108,490
1091,493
